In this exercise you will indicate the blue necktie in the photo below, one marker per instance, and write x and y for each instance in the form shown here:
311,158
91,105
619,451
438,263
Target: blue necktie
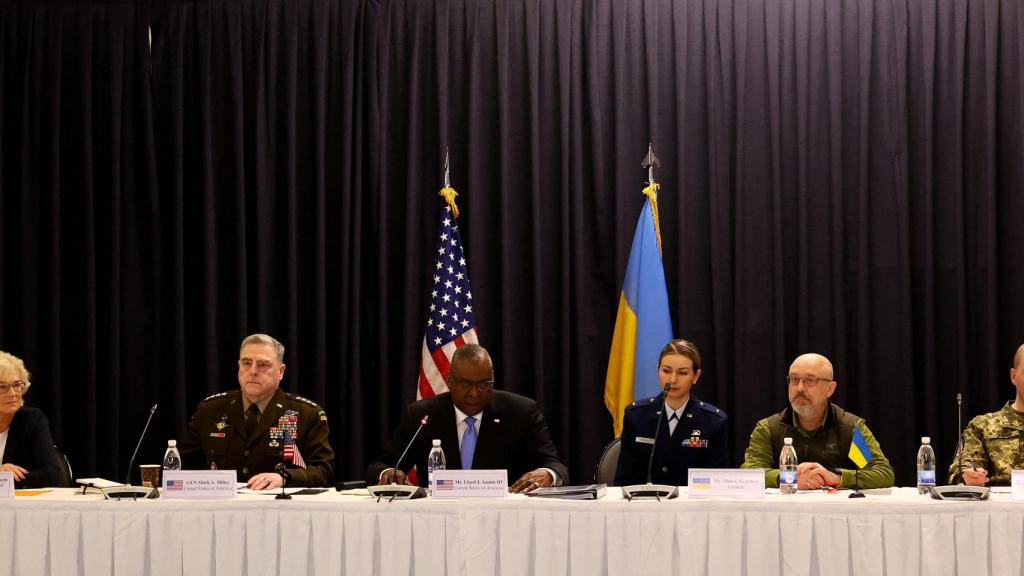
468,444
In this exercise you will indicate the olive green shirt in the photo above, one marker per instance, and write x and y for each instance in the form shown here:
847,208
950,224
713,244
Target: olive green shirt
995,442
822,446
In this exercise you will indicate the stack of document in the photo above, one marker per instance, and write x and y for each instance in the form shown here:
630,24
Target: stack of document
583,492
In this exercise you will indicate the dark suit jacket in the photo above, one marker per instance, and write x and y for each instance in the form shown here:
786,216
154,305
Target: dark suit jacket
30,445
700,440
513,436
216,439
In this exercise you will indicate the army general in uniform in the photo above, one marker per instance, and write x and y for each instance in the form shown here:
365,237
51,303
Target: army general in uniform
254,429
993,443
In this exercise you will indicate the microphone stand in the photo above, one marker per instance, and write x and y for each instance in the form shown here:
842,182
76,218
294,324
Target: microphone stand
648,490
285,477
959,491
396,490
129,491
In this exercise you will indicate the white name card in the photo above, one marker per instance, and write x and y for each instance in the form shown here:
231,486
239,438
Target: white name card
1017,484
725,483
6,485
200,484
470,483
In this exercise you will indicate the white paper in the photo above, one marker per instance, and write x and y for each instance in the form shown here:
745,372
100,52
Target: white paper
98,482
1017,484
470,484
6,485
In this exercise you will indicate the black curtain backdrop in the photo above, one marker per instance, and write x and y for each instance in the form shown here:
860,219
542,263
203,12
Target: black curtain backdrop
841,177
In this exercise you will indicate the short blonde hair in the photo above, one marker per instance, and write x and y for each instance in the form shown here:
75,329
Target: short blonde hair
265,339
16,364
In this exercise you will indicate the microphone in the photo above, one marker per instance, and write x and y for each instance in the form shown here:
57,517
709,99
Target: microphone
959,491
648,490
401,491
657,429
960,441
423,422
280,469
129,491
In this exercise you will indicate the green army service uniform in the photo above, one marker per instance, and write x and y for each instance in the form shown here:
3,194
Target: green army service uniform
829,446
216,438
995,442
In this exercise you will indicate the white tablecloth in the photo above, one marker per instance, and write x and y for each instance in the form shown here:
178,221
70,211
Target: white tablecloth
62,533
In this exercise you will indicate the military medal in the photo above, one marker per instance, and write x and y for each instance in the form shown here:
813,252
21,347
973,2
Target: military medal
223,422
275,434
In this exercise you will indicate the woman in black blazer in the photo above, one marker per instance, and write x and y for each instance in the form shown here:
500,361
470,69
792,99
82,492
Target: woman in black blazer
26,445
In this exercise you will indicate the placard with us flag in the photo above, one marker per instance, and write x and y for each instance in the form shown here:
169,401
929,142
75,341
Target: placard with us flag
450,319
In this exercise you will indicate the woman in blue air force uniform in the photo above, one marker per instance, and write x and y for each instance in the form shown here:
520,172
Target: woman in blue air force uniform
693,432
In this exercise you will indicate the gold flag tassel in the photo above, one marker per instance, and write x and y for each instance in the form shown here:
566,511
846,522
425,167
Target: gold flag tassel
449,194
651,191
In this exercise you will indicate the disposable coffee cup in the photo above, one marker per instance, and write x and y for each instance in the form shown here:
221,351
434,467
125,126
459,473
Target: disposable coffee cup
150,474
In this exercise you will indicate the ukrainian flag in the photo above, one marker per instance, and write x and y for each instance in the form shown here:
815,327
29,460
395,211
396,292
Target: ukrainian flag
643,324
860,453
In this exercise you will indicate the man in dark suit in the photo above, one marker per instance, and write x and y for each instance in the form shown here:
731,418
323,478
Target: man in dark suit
254,429
479,428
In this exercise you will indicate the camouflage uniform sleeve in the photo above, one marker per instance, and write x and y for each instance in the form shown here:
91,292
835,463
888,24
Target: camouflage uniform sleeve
876,474
316,452
759,454
973,448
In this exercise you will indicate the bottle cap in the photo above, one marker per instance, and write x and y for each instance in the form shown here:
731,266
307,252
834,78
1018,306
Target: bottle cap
926,440
436,442
172,443
787,441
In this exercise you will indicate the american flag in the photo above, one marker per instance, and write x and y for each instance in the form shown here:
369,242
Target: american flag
291,451
450,319
174,485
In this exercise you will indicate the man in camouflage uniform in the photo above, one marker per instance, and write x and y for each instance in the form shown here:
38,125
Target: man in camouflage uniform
254,429
994,442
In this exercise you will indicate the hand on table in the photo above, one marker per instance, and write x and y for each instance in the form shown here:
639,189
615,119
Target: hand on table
530,481
19,472
394,476
266,481
812,476
975,476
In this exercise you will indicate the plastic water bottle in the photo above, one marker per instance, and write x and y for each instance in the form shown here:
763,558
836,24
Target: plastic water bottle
925,466
172,458
435,461
787,467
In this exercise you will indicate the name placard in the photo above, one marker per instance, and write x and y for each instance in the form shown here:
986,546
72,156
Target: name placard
470,484
1017,484
6,485
725,483
200,484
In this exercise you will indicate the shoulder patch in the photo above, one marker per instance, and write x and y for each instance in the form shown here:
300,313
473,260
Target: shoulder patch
298,398
218,395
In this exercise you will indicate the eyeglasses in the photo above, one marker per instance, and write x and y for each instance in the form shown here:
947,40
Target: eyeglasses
19,386
808,381
480,385
261,365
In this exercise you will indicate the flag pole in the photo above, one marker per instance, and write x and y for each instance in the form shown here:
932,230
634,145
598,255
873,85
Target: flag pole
449,193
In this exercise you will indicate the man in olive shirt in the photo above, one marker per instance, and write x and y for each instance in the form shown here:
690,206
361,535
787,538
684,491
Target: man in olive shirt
821,431
992,442
253,429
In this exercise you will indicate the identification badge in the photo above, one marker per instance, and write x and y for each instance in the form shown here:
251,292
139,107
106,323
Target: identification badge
217,435
644,440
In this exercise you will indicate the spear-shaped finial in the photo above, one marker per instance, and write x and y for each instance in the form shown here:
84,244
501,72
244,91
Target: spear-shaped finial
651,191
449,193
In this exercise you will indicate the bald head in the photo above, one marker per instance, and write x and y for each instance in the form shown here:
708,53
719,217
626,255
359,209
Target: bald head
815,364
1018,358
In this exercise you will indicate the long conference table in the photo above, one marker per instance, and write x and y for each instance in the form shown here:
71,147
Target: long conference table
62,532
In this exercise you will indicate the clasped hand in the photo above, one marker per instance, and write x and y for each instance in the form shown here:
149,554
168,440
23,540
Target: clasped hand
19,472
812,476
